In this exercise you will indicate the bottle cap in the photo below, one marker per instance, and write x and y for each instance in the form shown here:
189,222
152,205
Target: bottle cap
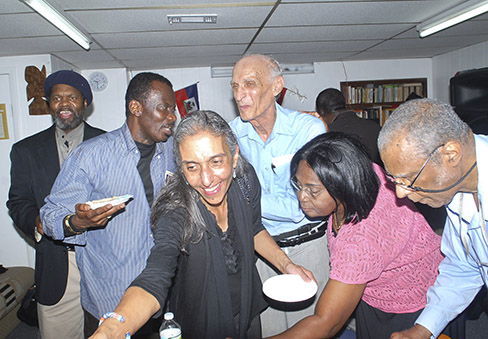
169,316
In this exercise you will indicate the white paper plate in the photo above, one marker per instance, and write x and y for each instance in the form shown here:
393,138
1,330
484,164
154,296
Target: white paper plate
289,288
113,201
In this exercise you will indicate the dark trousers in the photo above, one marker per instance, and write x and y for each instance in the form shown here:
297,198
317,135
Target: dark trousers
371,323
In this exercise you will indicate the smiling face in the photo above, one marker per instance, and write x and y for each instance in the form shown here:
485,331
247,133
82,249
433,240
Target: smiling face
254,88
67,106
317,203
208,166
153,118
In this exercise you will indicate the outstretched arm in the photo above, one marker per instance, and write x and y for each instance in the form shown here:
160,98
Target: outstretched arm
335,306
136,306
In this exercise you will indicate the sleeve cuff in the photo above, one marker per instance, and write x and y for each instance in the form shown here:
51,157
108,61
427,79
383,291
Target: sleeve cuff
432,322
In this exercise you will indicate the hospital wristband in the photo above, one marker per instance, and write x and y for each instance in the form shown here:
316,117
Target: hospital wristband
111,315
115,316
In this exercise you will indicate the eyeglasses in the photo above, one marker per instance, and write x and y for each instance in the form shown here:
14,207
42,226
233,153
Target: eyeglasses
299,188
410,186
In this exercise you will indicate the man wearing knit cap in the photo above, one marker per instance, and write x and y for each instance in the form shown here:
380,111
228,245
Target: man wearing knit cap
36,161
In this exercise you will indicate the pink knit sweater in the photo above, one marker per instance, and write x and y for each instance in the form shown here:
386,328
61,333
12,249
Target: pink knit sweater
394,251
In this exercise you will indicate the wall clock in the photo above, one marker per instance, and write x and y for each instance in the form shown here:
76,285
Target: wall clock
98,81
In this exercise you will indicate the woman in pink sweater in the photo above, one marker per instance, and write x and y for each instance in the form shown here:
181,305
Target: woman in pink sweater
383,253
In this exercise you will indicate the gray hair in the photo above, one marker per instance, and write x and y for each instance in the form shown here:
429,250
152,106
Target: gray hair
273,64
426,124
177,194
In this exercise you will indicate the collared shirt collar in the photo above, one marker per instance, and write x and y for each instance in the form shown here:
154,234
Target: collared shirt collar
481,145
282,125
131,144
66,142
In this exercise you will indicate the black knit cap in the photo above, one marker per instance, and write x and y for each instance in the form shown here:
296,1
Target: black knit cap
70,78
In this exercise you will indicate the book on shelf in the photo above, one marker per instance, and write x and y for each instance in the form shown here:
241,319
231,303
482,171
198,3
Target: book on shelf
377,99
373,93
377,113
374,113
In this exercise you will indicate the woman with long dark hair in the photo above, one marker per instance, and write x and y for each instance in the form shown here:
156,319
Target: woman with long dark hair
206,225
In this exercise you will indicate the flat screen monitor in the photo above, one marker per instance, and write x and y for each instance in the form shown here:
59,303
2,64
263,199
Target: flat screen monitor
469,97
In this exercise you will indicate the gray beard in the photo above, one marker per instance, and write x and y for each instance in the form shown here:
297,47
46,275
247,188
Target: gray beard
72,124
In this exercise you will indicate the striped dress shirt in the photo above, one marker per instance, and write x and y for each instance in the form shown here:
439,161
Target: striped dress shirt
111,257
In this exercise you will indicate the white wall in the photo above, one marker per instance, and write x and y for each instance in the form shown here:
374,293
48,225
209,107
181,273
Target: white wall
107,110
10,240
445,66
14,251
216,94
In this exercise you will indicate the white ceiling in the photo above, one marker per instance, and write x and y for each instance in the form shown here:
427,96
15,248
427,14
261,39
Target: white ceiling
135,34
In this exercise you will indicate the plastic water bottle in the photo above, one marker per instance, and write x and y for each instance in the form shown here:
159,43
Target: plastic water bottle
169,328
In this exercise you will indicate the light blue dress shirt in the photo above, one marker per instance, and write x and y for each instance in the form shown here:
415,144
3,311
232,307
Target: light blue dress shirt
109,258
271,159
461,274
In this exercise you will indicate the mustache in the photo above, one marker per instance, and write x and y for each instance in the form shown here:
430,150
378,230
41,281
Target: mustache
59,110
170,126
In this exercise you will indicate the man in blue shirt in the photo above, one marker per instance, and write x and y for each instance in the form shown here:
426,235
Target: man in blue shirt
113,242
434,158
268,136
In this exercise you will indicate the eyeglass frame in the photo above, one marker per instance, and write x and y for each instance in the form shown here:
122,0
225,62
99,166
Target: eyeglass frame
299,188
413,188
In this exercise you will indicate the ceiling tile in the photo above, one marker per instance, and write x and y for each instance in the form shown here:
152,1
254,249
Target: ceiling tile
327,33
155,20
313,47
340,13
136,34
177,38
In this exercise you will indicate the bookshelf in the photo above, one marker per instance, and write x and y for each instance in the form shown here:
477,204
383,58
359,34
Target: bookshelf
376,99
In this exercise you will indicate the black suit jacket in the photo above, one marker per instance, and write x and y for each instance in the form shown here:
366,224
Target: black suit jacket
367,130
35,165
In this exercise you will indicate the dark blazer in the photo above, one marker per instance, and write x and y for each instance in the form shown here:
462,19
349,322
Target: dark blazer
35,165
367,130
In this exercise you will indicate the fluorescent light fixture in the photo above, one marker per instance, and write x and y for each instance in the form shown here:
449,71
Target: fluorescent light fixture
60,22
226,71
221,71
192,19
455,15
297,68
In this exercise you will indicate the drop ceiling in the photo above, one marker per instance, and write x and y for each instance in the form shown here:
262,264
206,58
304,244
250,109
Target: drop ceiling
135,34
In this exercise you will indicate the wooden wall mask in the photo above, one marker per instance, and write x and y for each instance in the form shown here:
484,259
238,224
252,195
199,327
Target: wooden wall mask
35,89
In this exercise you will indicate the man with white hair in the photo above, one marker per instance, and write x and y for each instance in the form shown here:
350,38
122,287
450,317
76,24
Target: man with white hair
268,136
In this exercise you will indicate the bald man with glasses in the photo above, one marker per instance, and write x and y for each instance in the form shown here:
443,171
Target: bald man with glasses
434,158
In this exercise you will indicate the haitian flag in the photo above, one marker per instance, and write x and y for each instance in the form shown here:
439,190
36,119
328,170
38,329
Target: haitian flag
187,100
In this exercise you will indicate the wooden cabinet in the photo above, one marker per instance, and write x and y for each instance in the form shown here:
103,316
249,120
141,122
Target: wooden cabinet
376,99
